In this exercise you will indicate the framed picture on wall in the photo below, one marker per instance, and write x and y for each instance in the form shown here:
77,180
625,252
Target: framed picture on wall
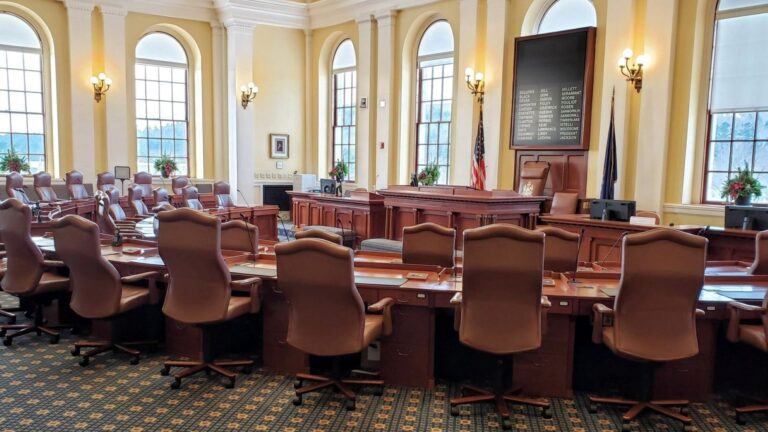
278,148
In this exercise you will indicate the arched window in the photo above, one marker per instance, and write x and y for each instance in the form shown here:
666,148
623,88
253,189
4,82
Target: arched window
344,106
162,112
568,14
435,99
738,100
22,121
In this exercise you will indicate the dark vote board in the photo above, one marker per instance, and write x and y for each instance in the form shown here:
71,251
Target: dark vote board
552,90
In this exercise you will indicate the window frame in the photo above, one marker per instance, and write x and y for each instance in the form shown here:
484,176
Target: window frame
334,107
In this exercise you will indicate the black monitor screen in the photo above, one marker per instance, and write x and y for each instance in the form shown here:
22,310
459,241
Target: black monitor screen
615,210
746,217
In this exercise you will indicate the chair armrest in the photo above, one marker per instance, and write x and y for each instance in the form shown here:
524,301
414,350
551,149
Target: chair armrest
53,264
739,306
251,285
545,303
457,298
600,312
384,307
699,313
736,309
130,279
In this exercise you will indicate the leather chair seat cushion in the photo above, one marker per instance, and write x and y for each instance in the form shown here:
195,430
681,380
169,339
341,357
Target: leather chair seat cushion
51,282
133,297
753,335
381,245
346,234
374,326
238,306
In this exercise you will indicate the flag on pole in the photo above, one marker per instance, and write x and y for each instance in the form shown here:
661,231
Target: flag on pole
478,162
610,167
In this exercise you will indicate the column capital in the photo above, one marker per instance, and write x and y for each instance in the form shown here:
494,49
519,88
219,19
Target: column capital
239,27
113,10
364,19
79,5
386,17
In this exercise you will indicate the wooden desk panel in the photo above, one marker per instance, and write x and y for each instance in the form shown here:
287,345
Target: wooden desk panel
361,213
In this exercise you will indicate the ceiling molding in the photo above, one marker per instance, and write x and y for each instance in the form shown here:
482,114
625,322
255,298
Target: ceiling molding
284,13
326,13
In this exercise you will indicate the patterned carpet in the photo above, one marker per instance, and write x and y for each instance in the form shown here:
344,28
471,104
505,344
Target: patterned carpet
42,388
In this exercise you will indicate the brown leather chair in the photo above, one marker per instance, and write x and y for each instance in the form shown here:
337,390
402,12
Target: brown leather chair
28,274
178,183
760,265
105,182
326,316
200,287
222,193
533,178
561,249
98,290
429,244
320,234
43,188
162,201
75,187
501,307
111,218
240,236
14,187
136,200
649,214
143,180
564,203
654,314
191,198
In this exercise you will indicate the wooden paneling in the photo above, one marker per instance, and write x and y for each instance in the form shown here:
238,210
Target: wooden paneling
365,216
567,173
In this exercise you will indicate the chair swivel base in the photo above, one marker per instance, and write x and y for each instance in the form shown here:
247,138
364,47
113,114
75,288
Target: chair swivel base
750,409
8,314
479,395
637,407
22,329
104,346
218,367
341,385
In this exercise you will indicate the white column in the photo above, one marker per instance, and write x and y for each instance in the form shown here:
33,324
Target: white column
241,121
117,99
364,138
310,142
220,103
464,106
656,102
495,38
384,93
81,70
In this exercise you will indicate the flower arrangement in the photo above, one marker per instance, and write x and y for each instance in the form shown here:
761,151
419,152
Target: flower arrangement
742,187
165,165
11,162
429,175
339,171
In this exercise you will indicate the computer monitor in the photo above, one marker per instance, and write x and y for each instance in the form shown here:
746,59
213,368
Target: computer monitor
615,210
746,217
328,186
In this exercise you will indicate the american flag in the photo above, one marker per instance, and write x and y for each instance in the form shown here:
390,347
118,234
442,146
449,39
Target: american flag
478,162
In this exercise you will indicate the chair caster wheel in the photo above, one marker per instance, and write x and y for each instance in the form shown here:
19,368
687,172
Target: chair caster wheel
298,383
7,341
350,405
165,371
546,413
230,384
379,391
54,340
592,408
296,400
75,352
506,424
134,361
454,410
176,384
84,362
740,420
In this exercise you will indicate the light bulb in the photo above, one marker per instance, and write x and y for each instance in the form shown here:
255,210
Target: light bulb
243,89
641,59
108,81
251,85
479,76
469,72
94,80
622,62
102,76
255,89
627,53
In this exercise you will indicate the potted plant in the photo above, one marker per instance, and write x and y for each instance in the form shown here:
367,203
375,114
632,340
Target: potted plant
166,166
339,173
742,187
429,175
11,162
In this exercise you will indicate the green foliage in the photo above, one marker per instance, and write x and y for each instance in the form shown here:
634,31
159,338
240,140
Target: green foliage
429,175
744,184
340,171
165,165
11,161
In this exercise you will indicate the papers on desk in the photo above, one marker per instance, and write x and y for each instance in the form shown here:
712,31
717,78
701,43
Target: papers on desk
380,281
743,295
252,270
610,292
153,260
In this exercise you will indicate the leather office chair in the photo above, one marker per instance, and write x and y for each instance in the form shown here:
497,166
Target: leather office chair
98,290
429,244
654,314
327,317
200,286
143,180
240,236
222,193
533,178
500,309
27,274
75,186
320,234
110,215
14,187
178,184
561,249
191,198
105,182
136,200
649,214
564,203
760,265
43,188
162,201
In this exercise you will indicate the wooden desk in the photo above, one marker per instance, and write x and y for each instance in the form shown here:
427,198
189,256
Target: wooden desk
264,217
456,207
362,212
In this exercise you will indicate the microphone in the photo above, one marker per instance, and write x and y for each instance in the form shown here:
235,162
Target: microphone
250,237
703,231
341,225
578,252
613,246
287,234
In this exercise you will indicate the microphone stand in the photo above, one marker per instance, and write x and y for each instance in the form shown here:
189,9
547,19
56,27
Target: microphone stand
578,252
613,246
250,237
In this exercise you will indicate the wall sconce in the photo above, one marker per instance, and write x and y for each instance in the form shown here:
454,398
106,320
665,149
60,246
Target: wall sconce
633,73
248,94
475,83
101,85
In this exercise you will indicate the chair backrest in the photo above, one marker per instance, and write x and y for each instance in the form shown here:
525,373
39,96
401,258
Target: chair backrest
326,315
43,188
178,183
649,214
239,235
662,275
501,289
564,203
24,261
533,178
221,191
189,243
105,181
561,249
760,265
136,199
103,217
320,234
429,244
143,180
95,283
14,187
161,196
191,198
115,209
75,186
